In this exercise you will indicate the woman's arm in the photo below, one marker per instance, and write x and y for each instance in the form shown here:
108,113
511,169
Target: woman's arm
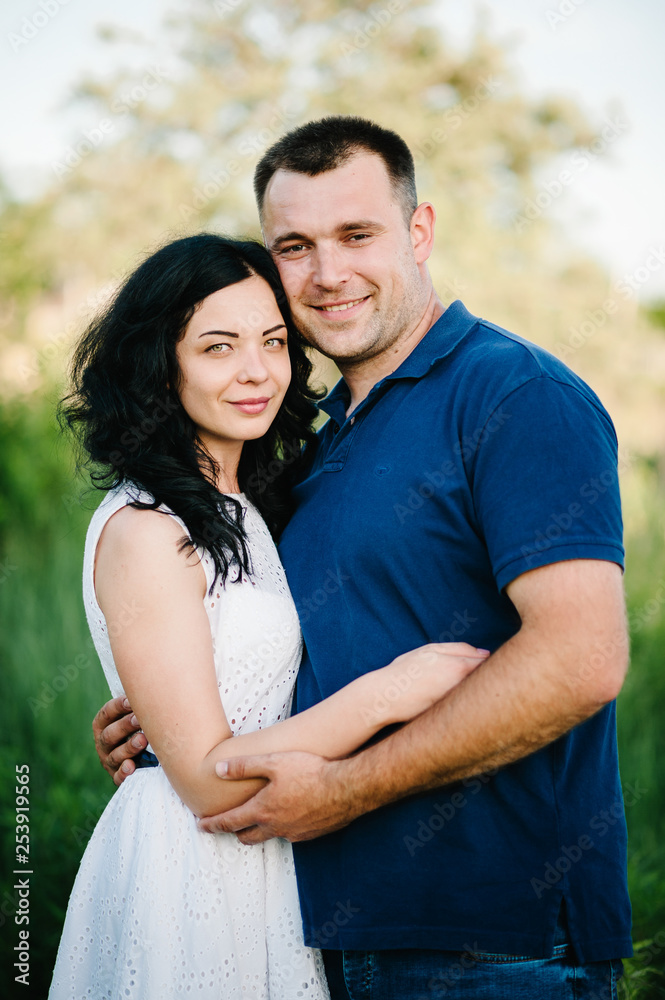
164,657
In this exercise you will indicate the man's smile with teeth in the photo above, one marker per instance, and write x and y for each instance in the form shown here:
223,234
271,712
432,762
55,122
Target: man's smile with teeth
345,305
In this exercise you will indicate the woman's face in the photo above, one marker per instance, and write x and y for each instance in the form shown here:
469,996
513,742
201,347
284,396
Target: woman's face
234,367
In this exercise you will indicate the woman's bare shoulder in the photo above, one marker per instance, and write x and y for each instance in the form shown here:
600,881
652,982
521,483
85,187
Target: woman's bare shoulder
140,530
143,538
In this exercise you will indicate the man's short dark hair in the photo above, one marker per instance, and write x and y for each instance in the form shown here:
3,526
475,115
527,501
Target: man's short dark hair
323,145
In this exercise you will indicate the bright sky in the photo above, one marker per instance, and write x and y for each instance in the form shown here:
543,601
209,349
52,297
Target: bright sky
606,54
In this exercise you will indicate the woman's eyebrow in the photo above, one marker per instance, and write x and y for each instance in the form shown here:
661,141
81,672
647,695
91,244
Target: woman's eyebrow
230,333
218,333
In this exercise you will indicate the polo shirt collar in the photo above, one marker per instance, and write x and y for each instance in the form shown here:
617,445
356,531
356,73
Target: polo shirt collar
440,340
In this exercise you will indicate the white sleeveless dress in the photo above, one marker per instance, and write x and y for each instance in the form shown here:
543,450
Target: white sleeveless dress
158,908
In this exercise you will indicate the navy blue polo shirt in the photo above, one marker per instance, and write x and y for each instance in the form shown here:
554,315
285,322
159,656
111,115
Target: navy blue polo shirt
478,459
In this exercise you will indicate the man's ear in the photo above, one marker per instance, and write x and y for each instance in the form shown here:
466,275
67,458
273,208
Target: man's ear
421,229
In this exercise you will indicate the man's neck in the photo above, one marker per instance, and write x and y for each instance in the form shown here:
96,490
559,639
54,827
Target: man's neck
363,376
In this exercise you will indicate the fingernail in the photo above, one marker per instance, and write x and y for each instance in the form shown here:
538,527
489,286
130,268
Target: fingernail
125,703
222,768
138,741
126,767
478,650
134,721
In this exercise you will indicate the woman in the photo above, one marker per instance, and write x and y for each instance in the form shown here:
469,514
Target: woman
186,391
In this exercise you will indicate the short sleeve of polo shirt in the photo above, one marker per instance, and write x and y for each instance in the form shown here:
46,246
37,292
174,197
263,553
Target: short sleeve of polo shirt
545,480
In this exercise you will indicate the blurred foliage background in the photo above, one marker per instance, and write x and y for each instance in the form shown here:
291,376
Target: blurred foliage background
175,154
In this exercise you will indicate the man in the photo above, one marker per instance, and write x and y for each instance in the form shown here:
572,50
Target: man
465,487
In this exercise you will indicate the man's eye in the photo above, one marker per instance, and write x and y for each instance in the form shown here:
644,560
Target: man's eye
358,237
296,248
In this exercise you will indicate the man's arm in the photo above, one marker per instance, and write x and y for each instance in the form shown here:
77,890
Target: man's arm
568,659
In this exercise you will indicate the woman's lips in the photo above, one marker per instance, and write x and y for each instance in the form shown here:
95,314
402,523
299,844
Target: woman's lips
251,405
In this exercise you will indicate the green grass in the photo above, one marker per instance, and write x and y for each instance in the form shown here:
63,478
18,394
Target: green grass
642,740
52,685
51,680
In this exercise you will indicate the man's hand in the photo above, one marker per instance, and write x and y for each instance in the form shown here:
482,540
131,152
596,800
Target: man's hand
303,799
112,729
568,659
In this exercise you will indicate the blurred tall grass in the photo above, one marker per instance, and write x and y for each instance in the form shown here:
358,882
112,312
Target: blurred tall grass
641,732
52,685
51,680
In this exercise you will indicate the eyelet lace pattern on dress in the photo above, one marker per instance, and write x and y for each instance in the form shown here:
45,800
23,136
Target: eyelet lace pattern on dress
158,909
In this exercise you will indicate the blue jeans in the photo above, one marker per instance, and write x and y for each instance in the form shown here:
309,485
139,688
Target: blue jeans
416,974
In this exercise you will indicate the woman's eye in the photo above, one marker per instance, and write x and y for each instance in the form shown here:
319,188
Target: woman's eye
275,342
218,349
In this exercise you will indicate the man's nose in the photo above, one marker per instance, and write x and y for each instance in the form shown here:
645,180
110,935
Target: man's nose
330,267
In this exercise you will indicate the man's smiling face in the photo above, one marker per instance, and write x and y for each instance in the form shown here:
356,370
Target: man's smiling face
346,257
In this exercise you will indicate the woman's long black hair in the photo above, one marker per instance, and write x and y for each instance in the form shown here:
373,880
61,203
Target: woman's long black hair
128,418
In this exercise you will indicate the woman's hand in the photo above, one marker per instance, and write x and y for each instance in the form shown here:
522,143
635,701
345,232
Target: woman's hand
414,681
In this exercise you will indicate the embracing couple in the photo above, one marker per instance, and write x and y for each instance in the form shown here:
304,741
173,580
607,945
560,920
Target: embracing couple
454,615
